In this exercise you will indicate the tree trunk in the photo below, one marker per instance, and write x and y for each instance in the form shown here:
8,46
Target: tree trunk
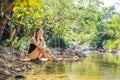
2,25
12,34
5,14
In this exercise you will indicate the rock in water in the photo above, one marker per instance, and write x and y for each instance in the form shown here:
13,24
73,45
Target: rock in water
75,57
20,76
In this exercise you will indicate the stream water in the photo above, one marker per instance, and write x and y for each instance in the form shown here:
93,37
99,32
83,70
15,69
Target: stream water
91,68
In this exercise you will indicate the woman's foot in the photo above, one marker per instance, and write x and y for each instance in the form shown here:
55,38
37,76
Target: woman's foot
36,60
44,59
58,59
40,60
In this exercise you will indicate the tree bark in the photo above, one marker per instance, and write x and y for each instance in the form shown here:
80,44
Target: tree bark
5,14
12,34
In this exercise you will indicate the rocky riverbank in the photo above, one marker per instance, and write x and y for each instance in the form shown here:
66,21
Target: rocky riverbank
10,62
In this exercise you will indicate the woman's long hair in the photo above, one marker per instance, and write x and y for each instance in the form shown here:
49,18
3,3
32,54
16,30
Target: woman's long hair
35,34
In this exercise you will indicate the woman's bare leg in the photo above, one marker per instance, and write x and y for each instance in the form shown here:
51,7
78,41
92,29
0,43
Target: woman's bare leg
49,53
48,56
35,54
40,55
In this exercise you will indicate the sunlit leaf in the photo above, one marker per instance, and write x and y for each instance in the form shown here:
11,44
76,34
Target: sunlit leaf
15,9
19,15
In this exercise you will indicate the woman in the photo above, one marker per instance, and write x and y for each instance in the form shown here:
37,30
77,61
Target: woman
38,48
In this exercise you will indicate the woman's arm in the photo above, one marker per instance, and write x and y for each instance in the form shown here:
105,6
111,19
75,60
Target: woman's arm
36,44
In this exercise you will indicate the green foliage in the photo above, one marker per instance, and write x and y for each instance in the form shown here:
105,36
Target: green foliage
85,22
58,42
49,33
21,44
7,42
112,44
99,38
26,17
28,14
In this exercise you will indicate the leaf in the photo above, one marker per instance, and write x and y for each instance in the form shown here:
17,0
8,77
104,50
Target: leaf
15,9
27,12
20,22
31,3
19,15
23,3
38,15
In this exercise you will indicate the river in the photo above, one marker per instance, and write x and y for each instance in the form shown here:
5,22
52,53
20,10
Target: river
95,67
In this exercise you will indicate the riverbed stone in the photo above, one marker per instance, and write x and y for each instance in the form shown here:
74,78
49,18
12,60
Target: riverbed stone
10,62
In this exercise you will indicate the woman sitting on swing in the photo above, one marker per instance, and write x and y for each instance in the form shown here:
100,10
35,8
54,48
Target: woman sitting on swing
38,48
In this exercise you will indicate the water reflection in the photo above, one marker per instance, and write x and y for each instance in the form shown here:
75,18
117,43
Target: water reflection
92,68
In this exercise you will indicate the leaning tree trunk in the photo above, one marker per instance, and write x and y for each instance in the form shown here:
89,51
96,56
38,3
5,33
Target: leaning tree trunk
6,7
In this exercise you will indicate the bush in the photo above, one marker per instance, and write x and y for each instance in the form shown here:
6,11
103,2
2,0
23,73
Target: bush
99,39
49,33
21,44
58,42
112,44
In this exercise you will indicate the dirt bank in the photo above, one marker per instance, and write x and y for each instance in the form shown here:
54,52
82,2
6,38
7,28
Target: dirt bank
10,62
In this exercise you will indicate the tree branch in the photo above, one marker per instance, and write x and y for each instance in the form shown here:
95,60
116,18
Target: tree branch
10,5
1,1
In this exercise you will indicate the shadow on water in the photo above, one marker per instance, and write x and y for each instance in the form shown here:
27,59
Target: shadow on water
92,68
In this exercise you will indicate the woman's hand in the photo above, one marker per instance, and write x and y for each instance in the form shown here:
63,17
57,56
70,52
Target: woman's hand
36,44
